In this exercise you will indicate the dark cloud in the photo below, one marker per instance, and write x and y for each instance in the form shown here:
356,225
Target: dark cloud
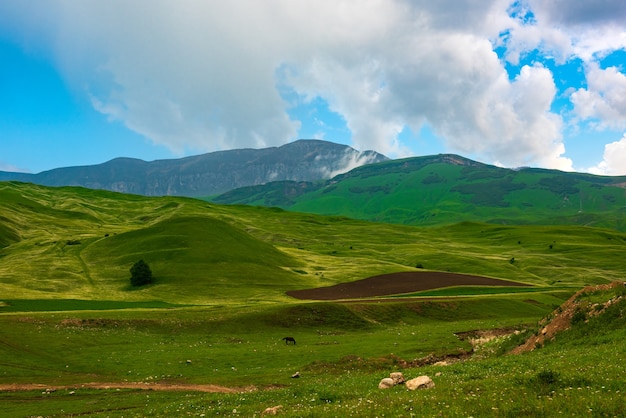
581,12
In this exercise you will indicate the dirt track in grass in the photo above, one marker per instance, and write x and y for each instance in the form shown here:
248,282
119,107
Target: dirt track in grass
157,386
397,284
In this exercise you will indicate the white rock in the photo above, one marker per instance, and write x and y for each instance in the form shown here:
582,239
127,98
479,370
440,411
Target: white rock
421,382
272,410
386,383
397,377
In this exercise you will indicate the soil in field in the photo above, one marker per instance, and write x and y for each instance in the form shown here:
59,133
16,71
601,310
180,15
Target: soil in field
396,284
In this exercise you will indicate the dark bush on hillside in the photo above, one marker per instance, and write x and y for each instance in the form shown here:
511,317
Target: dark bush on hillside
547,377
489,193
560,185
433,178
140,274
578,317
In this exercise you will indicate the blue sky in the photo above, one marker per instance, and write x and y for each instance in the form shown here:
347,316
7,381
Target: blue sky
515,83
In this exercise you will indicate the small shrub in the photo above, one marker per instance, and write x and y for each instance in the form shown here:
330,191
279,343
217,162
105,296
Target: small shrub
140,274
514,340
547,377
578,317
544,381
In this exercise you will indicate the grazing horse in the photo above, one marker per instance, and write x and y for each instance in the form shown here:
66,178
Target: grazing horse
289,340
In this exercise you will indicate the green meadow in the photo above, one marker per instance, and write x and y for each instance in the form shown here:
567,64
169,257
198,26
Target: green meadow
217,311
447,189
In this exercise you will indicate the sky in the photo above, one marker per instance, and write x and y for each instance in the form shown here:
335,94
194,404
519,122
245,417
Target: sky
538,83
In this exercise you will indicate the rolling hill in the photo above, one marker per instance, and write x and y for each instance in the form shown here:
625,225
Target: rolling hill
76,243
446,189
209,174
77,338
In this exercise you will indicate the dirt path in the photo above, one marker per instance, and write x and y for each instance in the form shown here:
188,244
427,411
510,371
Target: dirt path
173,387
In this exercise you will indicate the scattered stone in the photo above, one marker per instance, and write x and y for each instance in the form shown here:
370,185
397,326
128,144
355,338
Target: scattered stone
272,410
421,382
397,377
441,363
295,375
188,361
386,383
437,374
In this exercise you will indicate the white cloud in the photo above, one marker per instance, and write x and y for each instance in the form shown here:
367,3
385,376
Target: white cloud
604,99
198,75
350,161
614,161
449,79
581,28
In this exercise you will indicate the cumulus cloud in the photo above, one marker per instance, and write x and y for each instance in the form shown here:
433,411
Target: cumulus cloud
604,99
614,161
582,28
199,75
581,13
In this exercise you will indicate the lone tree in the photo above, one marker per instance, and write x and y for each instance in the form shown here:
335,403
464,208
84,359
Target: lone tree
140,274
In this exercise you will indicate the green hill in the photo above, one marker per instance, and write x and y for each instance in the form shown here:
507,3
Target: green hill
77,339
447,189
74,243
196,258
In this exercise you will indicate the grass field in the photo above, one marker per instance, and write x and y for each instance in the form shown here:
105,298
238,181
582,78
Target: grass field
72,243
217,311
342,351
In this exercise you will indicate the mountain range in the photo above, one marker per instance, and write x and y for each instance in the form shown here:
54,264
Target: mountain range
211,173
325,178
446,188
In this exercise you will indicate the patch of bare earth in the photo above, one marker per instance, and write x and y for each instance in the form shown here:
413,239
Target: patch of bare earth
156,386
396,284
561,319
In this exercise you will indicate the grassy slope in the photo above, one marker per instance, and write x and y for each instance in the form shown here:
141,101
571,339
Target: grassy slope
75,243
424,191
342,353
79,244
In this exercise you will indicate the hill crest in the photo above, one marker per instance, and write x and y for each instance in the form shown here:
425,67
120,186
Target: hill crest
211,173
448,188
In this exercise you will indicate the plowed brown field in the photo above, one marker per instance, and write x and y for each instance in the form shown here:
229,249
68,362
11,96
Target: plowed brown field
396,284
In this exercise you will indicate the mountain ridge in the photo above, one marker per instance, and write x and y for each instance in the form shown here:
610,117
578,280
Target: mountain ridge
448,188
208,174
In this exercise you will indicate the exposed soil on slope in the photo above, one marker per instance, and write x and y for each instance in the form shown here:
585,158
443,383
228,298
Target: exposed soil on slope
397,283
561,319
